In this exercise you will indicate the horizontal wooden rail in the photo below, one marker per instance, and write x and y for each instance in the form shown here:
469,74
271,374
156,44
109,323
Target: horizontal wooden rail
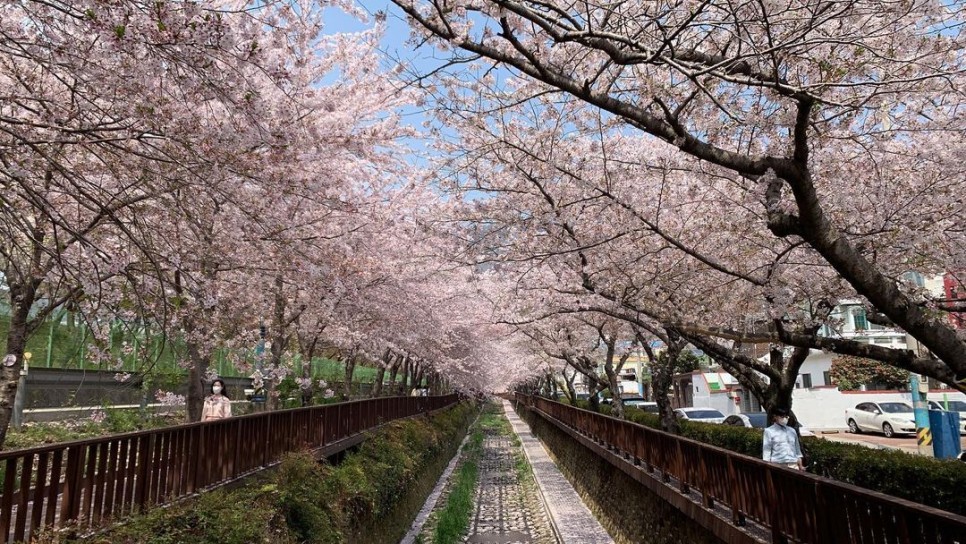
89,482
794,506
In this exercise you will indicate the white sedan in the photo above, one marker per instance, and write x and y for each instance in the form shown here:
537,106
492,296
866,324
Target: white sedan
889,418
704,415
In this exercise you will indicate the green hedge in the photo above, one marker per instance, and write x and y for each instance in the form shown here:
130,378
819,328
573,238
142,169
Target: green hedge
925,480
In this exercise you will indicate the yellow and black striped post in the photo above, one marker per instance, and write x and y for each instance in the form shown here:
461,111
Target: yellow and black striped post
921,412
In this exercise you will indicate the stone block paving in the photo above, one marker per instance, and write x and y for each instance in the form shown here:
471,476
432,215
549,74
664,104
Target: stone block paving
513,506
572,520
508,508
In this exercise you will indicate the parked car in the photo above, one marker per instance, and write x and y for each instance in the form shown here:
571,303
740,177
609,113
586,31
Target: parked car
759,420
634,402
953,406
889,418
705,415
641,404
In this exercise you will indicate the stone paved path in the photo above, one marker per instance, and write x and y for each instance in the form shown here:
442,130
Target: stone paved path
572,520
508,508
521,496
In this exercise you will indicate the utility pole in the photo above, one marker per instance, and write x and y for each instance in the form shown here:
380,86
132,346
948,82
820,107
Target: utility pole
921,411
21,398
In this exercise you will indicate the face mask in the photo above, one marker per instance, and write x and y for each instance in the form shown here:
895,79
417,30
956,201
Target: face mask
783,421
216,389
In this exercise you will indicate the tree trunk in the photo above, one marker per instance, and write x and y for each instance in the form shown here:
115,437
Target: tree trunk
308,352
662,373
306,390
278,339
594,399
381,374
571,390
10,375
617,403
418,379
196,381
393,373
404,377
350,368
377,385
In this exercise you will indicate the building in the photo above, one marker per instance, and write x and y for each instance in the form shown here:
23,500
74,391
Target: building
816,400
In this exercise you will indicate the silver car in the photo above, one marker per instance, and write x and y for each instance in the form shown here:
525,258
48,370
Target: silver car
759,420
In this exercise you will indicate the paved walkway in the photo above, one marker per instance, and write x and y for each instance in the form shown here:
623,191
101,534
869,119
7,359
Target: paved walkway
572,520
515,503
507,508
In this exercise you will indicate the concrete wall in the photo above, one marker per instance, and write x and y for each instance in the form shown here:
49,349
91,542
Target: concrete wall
824,407
629,511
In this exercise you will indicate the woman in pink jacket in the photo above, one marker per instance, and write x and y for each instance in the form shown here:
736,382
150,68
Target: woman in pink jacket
217,404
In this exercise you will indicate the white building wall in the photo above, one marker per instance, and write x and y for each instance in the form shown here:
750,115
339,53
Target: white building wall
815,366
824,408
703,397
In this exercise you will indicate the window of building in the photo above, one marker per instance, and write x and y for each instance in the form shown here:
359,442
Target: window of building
915,278
807,381
827,377
858,318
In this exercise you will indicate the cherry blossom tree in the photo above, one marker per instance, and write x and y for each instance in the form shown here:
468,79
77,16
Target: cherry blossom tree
161,153
570,205
96,99
815,115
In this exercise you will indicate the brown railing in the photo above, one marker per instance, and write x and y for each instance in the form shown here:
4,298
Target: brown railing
88,482
793,506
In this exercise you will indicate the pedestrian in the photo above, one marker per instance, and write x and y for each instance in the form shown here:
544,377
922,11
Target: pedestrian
780,444
217,404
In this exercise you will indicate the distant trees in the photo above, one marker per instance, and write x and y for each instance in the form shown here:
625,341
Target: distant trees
851,373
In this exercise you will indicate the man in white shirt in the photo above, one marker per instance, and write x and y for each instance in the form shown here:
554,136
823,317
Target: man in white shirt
780,444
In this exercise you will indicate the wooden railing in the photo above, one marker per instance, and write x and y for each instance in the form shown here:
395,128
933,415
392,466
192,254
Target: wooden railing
88,482
793,506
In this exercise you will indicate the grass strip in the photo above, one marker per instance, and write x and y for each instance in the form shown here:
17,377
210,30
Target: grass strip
454,518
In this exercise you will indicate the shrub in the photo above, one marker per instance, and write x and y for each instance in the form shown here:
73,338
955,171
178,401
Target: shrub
219,517
303,490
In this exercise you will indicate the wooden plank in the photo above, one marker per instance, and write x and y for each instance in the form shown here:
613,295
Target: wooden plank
26,474
70,503
53,491
90,461
154,474
99,482
40,493
6,500
129,452
142,473
110,479
166,458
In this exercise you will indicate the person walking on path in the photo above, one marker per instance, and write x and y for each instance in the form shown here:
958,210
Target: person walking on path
217,404
781,444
